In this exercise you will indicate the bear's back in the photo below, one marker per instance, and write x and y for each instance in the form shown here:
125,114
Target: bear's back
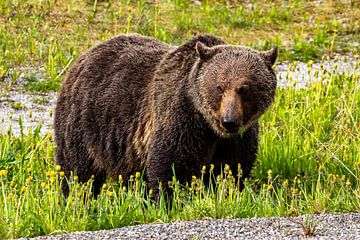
103,96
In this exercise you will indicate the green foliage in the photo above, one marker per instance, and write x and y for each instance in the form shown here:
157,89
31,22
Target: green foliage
48,35
309,161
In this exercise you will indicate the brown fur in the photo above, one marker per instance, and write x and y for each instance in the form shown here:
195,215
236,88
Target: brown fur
135,103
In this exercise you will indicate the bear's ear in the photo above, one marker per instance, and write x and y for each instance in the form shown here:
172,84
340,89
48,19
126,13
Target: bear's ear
270,56
203,51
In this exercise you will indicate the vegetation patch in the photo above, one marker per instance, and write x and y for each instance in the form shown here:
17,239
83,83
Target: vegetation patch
309,162
48,35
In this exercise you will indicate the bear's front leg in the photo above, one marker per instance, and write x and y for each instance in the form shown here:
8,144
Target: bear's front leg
179,152
241,149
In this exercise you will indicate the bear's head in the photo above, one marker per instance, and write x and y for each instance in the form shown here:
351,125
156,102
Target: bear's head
233,86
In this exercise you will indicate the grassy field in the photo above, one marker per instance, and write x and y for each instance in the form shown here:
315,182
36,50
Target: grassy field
40,39
309,158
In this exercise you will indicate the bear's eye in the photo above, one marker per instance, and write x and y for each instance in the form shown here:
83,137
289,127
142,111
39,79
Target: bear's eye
220,89
243,90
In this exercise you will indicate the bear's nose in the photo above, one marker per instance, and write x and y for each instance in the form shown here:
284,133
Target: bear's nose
229,124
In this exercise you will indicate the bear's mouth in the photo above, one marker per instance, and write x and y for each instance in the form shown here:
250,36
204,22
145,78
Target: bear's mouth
232,131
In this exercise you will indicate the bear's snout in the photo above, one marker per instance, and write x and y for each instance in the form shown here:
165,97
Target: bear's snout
231,112
230,124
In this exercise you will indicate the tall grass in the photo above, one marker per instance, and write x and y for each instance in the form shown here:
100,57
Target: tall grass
309,161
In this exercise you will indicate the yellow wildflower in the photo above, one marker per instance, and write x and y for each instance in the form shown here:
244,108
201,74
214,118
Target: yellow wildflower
3,172
23,189
28,180
57,168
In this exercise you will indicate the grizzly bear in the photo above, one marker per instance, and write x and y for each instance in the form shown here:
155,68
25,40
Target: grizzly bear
136,104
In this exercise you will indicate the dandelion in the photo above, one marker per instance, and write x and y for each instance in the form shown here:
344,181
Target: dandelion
28,180
89,182
57,168
137,175
212,167
49,135
3,173
23,189
51,174
150,192
52,179
76,178
62,174
43,185
120,178
240,172
321,167
269,174
226,169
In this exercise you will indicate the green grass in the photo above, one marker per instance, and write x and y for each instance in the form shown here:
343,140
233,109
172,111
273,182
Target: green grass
309,162
40,39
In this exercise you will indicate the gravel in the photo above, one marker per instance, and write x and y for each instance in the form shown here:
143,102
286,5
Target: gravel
327,226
